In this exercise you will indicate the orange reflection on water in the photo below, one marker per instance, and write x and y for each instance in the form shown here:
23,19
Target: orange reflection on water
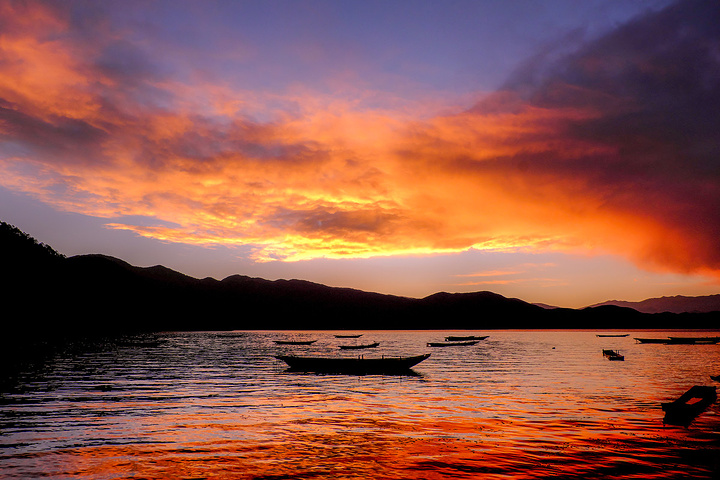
497,446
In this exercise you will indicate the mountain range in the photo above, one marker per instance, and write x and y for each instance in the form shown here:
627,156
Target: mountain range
47,292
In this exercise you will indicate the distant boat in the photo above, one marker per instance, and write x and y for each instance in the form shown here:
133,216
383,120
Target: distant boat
694,340
462,339
690,404
681,340
652,340
295,342
451,344
352,365
613,355
612,335
349,336
356,347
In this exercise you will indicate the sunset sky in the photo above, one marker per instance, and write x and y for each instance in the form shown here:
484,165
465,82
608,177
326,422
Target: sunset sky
564,152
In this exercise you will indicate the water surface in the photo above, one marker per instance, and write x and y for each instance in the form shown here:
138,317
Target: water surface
521,404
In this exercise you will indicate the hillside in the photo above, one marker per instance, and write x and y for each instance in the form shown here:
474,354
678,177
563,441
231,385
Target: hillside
97,293
675,304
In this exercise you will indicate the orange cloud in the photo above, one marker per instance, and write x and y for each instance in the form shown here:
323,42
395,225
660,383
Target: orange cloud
542,167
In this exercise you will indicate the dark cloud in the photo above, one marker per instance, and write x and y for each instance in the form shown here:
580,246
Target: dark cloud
651,91
72,138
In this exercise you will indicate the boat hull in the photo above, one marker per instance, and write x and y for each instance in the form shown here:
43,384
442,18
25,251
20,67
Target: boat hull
690,404
352,365
463,339
451,344
358,347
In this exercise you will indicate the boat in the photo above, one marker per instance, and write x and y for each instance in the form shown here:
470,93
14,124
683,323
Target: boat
694,340
715,377
681,340
349,336
352,365
608,335
451,344
652,340
463,339
613,355
356,347
690,404
295,342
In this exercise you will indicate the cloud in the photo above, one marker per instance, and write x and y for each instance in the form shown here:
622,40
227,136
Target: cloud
611,147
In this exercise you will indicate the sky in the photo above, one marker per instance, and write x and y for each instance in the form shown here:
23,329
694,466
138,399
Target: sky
560,152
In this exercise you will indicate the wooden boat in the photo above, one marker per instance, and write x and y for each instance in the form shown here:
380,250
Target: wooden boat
652,340
356,347
690,404
352,365
613,355
694,340
349,336
451,344
295,342
608,335
464,339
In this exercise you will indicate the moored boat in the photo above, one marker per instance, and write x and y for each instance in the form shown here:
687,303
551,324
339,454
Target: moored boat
295,342
613,354
689,405
608,335
357,347
464,339
452,344
652,340
352,365
694,340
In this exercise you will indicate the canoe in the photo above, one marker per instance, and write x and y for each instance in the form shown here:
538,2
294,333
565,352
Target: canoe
352,365
451,344
349,336
607,335
652,340
295,342
694,340
463,339
690,404
357,347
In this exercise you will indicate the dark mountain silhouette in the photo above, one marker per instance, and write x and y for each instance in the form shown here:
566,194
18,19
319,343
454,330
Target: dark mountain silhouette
675,304
48,293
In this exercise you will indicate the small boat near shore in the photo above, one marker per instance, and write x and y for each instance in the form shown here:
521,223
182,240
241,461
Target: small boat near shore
349,335
352,365
690,404
452,344
465,339
357,347
610,335
295,342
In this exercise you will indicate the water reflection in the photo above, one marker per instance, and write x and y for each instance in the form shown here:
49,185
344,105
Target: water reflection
517,405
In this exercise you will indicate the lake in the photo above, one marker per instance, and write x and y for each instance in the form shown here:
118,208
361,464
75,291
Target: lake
520,404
